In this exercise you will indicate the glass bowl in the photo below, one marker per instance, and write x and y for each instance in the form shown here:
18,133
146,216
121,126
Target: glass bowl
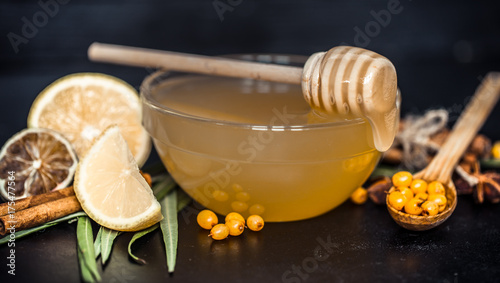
254,147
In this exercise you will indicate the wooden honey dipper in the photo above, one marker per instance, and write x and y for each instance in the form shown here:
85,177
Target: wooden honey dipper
349,81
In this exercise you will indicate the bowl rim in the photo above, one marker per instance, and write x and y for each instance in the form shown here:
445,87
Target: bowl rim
161,75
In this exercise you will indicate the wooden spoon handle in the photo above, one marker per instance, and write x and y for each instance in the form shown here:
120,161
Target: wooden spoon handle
466,127
142,57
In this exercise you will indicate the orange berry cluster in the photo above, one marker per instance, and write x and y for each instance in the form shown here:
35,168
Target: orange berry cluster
416,196
234,226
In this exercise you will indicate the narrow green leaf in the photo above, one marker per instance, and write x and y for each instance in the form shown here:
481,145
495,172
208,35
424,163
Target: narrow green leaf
85,272
29,231
161,189
136,236
383,170
169,228
85,241
97,243
107,238
490,163
183,200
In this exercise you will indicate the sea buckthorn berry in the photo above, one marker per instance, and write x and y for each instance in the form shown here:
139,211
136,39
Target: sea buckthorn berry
255,222
239,206
413,206
495,150
236,227
359,196
440,200
219,195
436,187
397,200
406,192
418,186
235,216
421,196
219,232
257,209
402,179
207,219
430,208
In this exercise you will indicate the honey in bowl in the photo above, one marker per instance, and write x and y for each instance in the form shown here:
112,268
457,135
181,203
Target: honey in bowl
255,147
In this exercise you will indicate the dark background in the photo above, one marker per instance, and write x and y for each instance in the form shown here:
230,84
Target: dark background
441,50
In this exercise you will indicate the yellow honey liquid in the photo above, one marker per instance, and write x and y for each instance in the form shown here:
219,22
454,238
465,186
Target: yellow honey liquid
254,147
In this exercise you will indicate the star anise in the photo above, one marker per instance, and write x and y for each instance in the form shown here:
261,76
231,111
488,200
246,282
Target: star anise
483,186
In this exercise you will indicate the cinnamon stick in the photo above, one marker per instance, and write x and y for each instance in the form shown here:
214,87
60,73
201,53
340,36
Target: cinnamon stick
39,214
31,201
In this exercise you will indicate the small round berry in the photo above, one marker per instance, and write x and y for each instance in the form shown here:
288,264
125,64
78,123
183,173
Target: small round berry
397,200
255,222
495,150
239,206
236,227
402,179
421,196
406,192
257,209
359,196
418,186
243,196
237,188
430,208
235,216
436,187
219,195
207,219
219,232
440,200
413,206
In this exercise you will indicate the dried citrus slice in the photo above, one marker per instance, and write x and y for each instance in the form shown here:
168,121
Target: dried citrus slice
35,161
110,187
82,105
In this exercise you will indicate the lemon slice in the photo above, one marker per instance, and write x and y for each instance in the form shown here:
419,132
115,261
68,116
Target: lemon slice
35,161
110,187
82,105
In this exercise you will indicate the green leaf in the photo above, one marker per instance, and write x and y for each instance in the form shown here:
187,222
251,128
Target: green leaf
183,200
84,236
85,272
161,189
107,238
97,243
136,236
169,228
490,163
384,170
29,231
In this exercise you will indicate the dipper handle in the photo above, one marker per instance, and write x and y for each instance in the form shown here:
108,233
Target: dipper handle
142,57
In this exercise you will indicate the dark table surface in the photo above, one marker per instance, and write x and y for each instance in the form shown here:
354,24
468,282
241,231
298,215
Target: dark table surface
440,50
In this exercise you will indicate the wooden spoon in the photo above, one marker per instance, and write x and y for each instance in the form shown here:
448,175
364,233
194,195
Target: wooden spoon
442,165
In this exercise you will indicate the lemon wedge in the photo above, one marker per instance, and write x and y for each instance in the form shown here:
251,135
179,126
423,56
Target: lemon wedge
82,105
110,187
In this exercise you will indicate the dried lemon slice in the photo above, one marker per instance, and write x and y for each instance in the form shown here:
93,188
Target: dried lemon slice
110,187
82,105
35,161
